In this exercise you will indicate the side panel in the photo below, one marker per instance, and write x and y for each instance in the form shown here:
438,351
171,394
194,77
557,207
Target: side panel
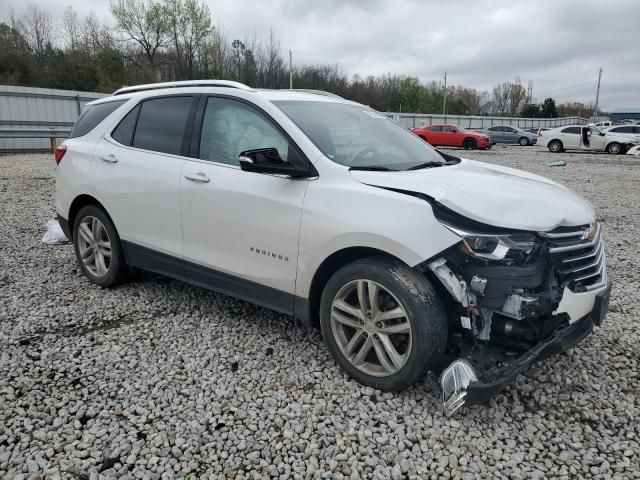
340,212
141,193
242,223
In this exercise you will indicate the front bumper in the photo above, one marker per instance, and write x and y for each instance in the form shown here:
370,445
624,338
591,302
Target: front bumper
462,386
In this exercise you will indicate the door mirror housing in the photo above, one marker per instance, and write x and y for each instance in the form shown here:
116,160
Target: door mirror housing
268,160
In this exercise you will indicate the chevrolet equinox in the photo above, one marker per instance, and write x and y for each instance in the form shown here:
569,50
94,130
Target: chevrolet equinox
409,259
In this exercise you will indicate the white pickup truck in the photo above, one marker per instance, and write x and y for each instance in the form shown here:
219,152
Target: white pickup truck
585,137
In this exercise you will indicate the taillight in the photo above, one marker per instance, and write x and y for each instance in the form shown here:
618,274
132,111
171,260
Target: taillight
59,153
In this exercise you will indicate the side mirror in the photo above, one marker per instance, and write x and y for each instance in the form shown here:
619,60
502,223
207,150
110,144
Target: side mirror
268,160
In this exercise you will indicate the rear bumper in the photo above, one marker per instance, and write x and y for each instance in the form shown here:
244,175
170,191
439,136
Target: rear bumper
483,385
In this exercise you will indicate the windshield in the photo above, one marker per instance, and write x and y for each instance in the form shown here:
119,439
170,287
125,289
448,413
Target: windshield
461,129
358,137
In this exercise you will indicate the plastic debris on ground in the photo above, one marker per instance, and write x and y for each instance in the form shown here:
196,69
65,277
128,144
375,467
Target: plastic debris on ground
558,163
634,151
54,234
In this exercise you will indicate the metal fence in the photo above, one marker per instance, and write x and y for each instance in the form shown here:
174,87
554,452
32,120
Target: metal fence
413,120
30,117
35,118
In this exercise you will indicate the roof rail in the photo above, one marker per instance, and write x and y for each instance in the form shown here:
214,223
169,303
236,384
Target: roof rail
184,83
318,92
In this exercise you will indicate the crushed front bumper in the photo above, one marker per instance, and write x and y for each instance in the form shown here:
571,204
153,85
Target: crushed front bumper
463,385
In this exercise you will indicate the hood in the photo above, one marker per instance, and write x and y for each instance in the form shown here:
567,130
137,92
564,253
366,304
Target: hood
491,194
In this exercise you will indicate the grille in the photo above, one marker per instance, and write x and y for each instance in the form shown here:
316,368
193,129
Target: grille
579,262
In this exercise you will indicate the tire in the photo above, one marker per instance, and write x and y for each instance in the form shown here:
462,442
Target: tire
469,144
555,146
112,270
418,341
524,141
614,148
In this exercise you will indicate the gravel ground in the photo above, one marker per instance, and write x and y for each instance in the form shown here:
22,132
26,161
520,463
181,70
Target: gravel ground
157,379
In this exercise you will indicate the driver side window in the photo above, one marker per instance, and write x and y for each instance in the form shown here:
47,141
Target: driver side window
230,127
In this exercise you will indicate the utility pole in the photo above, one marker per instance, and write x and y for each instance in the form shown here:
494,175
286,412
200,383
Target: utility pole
530,92
444,97
595,114
290,70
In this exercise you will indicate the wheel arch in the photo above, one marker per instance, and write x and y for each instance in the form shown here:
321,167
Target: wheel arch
326,269
78,203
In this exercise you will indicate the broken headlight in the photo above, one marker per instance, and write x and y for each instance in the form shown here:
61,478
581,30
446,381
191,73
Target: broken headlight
496,246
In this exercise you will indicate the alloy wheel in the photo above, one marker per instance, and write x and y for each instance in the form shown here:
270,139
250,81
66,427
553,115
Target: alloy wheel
371,328
94,246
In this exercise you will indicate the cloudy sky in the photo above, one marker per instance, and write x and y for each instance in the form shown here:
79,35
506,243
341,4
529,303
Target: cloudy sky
558,45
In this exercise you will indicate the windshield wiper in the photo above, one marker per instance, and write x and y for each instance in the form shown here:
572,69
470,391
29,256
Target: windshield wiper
374,168
426,165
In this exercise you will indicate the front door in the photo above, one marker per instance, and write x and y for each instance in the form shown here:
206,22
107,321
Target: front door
240,229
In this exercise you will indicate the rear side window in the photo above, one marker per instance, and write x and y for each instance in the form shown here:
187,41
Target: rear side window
92,116
623,130
575,130
123,133
162,123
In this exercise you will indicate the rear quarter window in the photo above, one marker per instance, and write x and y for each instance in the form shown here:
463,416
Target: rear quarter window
92,116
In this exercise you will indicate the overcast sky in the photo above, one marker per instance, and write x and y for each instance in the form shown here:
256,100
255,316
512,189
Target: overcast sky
559,45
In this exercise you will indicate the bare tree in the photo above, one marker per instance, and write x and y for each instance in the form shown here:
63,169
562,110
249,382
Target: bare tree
500,98
144,23
189,24
71,26
37,27
517,95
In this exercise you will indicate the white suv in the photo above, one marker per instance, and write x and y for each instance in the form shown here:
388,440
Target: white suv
409,259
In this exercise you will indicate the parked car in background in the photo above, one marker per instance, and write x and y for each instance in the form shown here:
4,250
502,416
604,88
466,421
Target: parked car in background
509,134
329,211
585,137
605,124
631,131
453,136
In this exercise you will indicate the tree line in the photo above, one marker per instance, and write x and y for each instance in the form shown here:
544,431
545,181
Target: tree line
164,40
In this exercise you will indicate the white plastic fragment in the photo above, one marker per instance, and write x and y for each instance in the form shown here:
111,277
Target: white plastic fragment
54,234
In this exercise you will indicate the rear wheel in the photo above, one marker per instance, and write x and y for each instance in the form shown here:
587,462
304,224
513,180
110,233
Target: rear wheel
524,141
469,144
97,246
614,148
383,323
555,146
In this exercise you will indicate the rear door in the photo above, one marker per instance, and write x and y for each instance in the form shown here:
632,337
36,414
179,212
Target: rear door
570,137
496,133
510,135
138,174
240,228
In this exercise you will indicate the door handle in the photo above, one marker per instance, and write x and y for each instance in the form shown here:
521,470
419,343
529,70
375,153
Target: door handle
197,177
109,158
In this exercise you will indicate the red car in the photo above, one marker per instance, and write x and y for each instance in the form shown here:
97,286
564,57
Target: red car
453,136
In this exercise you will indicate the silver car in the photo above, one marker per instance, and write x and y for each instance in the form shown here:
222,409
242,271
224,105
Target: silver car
509,134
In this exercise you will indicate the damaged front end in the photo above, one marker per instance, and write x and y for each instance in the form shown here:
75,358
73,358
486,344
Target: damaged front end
515,297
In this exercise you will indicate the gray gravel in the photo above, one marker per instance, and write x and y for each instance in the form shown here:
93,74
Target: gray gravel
157,379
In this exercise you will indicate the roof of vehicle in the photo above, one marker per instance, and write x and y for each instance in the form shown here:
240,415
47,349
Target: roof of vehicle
192,86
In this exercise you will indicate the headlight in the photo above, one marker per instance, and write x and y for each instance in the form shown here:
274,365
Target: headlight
496,246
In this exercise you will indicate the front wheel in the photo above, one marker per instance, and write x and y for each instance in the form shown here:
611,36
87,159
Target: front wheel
383,323
469,144
614,148
97,246
524,141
